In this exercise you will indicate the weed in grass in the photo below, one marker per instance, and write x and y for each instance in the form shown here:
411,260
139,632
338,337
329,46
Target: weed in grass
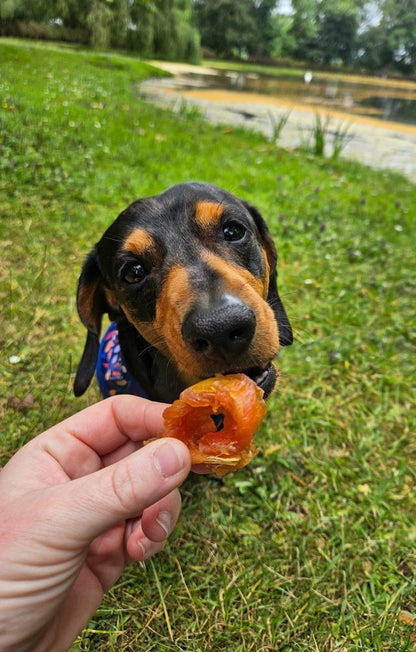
312,546
321,138
277,124
340,139
305,140
186,110
320,134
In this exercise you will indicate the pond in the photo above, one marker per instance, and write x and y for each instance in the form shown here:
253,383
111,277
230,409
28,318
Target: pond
378,98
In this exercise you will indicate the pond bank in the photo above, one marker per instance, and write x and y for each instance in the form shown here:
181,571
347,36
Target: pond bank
374,142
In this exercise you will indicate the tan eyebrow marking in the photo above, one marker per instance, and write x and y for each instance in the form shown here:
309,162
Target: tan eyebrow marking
207,213
139,242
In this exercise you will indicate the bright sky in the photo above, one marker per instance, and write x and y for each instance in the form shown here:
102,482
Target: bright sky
372,12
285,7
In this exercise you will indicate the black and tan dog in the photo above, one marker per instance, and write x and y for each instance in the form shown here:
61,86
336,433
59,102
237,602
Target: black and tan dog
189,276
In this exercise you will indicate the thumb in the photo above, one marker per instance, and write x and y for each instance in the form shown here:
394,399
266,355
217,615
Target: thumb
96,502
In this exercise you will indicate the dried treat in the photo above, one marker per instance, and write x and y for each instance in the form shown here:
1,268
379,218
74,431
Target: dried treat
217,419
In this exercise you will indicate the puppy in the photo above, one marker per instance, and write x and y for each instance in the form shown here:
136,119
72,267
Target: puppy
189,280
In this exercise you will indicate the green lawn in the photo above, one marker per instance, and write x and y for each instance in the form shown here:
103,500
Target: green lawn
311,547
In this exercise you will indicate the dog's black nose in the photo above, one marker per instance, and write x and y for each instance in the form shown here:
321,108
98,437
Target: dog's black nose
227,326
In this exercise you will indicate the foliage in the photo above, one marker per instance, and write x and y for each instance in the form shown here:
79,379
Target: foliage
240,29
338,31
312,546
318,31
43,31
319,133
341,137
277,124
375,50
154,28
305,30
399,24
325,137
98,21
283,41
377,35
227,27
164,29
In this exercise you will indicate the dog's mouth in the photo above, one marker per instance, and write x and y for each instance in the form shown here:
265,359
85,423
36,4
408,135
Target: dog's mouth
265,377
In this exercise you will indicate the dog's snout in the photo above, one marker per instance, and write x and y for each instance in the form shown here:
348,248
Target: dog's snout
225,327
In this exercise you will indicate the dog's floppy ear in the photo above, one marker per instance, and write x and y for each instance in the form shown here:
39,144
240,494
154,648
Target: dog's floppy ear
273,299
92,304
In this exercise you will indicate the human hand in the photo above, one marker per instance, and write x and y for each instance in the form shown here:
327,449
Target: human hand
77,503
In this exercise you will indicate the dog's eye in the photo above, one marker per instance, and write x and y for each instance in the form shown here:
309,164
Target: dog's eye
233,231
134,273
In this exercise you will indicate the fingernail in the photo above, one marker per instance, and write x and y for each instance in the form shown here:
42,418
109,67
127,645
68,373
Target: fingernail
167,460
164,519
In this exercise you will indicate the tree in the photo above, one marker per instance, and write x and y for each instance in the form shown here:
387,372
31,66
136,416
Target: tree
34,10
120,19
165,29
226,26
264,34
374,50
304,30
399,24
338,31
242,28
284,44
98,21
392,43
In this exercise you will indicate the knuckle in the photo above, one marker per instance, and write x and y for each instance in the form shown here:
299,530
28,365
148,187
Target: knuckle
125,490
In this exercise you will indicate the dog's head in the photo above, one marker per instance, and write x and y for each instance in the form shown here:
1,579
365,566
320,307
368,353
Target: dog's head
190,278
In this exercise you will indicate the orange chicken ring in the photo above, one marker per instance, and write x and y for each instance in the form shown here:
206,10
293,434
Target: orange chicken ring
223,443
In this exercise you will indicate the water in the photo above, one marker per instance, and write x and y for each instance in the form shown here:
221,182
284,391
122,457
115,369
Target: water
380,99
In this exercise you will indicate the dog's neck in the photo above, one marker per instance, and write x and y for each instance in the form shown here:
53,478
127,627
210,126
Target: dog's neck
158,376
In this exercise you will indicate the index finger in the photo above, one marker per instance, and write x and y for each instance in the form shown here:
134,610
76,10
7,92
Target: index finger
107,425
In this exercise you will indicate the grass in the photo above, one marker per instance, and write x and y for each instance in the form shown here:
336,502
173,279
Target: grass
323,137
256,68
277,123
311,547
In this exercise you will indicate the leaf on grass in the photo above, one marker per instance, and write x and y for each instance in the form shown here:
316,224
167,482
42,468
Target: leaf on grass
407,619
364,489
23,404
272,449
